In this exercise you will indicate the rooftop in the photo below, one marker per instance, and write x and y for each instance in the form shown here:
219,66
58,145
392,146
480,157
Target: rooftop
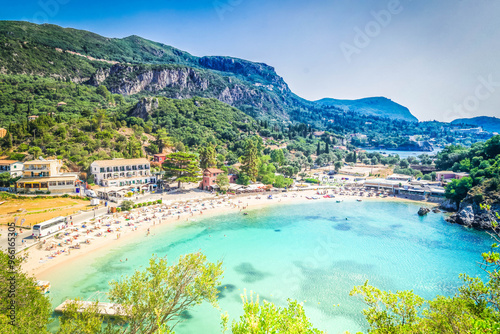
7,162
40,162
214,170
121,162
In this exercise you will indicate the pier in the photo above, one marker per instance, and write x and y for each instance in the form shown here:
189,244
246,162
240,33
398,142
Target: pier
105,309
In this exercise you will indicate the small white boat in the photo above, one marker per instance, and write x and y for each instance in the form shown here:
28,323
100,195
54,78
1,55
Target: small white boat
43,286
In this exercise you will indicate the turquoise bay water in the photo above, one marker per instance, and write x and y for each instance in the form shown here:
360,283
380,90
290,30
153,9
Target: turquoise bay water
309,252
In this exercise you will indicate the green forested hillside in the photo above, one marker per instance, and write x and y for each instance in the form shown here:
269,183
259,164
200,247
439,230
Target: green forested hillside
132,49
94,124
254,88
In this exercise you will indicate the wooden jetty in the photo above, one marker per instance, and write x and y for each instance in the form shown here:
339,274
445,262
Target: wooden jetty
106,309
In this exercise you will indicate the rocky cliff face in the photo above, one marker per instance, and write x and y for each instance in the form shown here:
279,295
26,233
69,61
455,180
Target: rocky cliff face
259,73
185,82
470,214
144,107
128,80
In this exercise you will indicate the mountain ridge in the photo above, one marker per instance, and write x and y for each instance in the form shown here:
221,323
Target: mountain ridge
254,88
488,123
372,106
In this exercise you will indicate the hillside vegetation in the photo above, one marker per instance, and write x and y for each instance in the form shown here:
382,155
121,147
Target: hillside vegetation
255,88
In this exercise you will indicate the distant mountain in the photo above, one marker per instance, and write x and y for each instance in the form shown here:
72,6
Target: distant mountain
491,124
134,65
374,106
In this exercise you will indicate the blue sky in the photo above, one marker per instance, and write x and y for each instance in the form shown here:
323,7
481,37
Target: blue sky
438,58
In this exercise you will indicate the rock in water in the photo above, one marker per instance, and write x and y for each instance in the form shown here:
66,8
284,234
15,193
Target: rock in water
448,205
423,211
436,210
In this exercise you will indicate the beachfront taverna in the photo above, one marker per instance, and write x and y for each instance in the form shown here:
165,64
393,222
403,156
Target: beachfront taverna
46,175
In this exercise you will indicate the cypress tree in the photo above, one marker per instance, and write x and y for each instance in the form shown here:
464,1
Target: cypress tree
318,151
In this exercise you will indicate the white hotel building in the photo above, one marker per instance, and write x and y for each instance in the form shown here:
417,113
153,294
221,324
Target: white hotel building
120,173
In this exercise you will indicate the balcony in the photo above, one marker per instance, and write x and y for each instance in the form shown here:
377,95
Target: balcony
37,168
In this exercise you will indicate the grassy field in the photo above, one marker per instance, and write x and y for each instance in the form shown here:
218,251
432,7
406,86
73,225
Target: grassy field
36,210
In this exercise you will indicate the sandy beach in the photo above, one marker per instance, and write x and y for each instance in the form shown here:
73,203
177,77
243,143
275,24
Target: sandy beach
108,231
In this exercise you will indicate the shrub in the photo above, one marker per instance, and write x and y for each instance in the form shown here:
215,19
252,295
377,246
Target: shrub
312,181
127,205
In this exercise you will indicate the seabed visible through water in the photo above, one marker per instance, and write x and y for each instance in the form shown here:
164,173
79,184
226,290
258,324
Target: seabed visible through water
314,252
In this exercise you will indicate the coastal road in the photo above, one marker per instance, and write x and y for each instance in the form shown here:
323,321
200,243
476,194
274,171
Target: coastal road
24,239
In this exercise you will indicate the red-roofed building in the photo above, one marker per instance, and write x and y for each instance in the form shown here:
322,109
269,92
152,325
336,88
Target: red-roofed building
209,181
160,157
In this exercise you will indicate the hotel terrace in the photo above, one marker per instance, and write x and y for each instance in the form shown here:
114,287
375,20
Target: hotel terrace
45,175
123,173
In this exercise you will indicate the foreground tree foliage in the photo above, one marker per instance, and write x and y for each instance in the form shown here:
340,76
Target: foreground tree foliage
269,318
86,321
31,309
152,300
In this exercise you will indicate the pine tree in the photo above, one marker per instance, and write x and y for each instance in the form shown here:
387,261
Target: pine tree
251,160
182,166
162,140
208,158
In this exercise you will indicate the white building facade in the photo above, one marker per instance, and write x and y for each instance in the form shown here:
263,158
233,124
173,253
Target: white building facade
123,173
13,167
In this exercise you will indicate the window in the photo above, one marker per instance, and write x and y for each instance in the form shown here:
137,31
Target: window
115,169
134,167
69,183
102,170
122,168
60,183
52,183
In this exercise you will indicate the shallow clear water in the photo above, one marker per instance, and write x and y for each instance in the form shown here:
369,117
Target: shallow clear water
309,252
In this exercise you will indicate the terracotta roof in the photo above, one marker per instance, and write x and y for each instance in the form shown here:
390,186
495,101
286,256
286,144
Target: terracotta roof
214,170
8,162
160,155
40,162
121,162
